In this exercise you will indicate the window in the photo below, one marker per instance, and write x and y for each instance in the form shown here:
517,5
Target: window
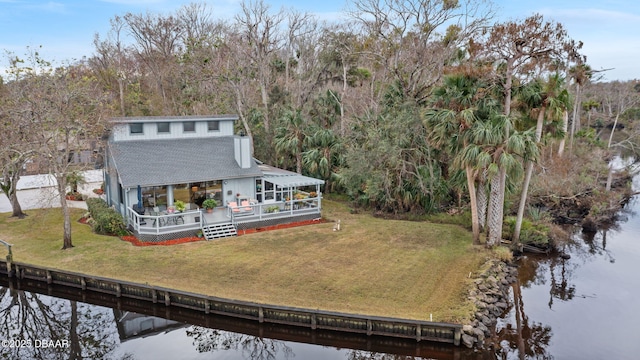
135,128
120,194
163,127
153,196
213,125
189,126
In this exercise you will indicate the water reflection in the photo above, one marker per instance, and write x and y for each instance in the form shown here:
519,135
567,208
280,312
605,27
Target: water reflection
582,307
99,326
35,326
250,347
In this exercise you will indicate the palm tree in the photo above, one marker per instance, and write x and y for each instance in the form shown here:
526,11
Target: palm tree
550,96
581,75
459,101
502,147
290,136
324,155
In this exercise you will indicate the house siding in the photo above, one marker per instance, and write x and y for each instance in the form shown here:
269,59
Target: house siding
245,186
121,131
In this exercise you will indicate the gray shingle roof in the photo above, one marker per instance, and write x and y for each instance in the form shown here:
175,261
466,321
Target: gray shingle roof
176,161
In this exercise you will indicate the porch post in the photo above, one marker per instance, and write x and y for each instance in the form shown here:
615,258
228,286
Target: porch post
290,201
319,195
125,201
169,195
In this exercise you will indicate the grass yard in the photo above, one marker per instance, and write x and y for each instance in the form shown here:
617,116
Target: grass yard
373,266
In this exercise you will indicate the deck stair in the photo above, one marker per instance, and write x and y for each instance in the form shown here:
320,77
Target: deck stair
217,231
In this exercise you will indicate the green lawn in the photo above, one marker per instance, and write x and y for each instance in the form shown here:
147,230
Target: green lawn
373,266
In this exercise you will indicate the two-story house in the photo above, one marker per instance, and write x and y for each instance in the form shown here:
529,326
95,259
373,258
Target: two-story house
154,165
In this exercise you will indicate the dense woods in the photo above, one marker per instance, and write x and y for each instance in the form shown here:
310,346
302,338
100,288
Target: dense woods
413,106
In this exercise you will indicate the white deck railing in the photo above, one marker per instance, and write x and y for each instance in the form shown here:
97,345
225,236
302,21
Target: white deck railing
165,223
275,210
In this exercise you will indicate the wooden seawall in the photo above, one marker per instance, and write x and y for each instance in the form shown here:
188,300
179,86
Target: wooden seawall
313,319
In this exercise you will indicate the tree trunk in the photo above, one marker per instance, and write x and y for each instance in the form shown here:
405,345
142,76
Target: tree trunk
610,174
609,178
9,187
344,91
481,194
565,124
527,180
66,237
615,124
475,225
299,156
74,338
574,117
495,211
577,105
523,202
240,109
520,317
15,206
265,105
121,91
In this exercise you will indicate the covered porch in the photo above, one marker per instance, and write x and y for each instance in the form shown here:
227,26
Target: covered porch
165,226
284,198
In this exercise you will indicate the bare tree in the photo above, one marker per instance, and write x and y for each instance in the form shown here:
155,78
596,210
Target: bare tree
157,44
234,72
15,137
112,61
623,96
67,110
201,62
413,40
339,55
262,41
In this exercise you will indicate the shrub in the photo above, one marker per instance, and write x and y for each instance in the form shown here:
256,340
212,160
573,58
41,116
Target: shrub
530,232
503,253
106,220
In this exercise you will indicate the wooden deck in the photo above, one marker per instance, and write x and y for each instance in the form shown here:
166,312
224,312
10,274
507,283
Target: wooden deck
165,226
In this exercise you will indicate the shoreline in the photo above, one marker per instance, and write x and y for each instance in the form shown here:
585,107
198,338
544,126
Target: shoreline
293,316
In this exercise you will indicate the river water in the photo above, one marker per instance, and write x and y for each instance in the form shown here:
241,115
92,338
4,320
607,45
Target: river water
44,322
579,308
584,307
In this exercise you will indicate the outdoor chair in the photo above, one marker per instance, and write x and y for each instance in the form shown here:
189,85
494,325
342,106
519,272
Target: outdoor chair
233,206
246,206
155,212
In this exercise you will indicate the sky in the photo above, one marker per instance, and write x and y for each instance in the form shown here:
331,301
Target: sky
65,29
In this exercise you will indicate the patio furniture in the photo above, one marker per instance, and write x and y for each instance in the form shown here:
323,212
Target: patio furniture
233,206
175,218
244,208
155,212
